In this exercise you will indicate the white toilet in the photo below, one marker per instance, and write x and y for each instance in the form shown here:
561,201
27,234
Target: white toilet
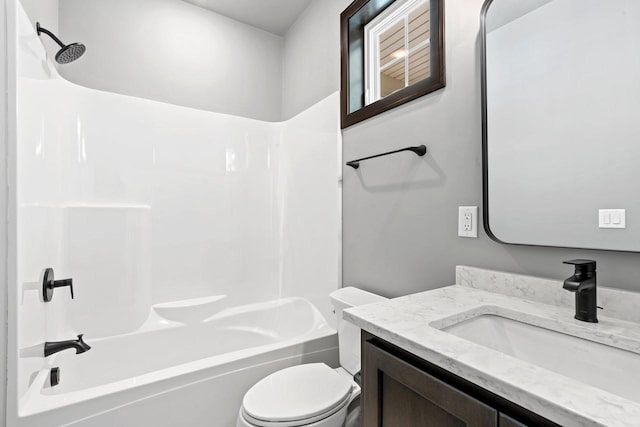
313,395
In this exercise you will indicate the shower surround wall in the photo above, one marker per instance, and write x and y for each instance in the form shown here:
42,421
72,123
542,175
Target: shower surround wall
7,228
142,203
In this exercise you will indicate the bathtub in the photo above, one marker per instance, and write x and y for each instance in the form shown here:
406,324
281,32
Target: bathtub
173,374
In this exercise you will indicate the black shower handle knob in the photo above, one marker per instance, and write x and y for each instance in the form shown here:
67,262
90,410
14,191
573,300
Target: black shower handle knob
49,284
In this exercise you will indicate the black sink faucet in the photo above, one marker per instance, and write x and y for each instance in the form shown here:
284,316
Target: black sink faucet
54,347
583,283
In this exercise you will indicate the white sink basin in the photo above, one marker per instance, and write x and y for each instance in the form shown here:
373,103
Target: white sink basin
602,366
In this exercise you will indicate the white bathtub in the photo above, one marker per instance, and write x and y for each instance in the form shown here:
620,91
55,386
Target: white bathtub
172,374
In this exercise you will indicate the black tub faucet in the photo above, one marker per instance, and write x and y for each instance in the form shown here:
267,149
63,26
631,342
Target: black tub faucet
583,283
56,346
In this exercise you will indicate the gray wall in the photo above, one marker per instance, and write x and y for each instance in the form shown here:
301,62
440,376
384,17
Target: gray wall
44,11
311,63
175,52
400,213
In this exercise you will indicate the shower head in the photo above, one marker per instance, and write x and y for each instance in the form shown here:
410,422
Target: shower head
68,52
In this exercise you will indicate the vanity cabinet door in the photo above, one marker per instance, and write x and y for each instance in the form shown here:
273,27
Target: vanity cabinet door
506,421
395,393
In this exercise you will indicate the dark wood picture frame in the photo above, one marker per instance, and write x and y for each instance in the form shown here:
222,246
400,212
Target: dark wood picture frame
436,81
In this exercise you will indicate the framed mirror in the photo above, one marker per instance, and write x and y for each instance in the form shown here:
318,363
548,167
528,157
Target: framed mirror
392,52
561,128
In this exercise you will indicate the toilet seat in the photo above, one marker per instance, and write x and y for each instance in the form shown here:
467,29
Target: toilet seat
297,423
297,396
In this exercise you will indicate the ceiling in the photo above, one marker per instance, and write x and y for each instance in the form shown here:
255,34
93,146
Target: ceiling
274,16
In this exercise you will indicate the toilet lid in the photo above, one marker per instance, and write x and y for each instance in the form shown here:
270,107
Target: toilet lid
296,393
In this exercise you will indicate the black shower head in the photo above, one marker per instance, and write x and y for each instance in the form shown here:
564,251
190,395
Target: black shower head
67,53
70,53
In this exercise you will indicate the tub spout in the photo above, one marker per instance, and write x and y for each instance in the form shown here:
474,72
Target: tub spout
56,346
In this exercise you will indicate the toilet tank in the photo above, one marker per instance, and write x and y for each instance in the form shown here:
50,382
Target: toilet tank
349,334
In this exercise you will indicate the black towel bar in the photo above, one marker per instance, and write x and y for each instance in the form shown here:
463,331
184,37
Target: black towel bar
420,150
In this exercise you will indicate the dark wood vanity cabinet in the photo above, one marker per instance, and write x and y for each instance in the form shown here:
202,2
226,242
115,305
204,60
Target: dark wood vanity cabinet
399,389
397,393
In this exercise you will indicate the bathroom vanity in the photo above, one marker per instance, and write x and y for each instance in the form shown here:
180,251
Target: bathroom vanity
499,349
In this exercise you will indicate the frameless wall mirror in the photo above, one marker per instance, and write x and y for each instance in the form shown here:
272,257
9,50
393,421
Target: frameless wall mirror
392,53
561,105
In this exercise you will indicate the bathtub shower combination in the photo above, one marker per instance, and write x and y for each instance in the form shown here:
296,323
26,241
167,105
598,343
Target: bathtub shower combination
200,262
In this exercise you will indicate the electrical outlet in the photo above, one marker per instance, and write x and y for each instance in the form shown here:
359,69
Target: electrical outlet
468,221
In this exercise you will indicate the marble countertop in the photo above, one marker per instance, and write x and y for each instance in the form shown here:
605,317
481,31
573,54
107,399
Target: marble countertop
414,323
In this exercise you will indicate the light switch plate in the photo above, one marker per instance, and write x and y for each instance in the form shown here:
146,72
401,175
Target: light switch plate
468,221
612,218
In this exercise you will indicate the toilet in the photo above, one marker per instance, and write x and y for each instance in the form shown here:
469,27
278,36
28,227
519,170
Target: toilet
313,394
